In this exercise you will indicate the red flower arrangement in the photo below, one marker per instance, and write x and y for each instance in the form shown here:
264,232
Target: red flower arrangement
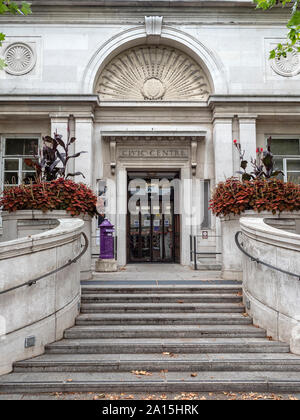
60,194
234,196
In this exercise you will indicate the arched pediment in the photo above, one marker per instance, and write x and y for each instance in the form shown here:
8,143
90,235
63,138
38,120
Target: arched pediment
153,73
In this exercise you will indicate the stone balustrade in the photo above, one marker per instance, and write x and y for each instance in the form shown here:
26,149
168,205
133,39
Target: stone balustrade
33,316
271,297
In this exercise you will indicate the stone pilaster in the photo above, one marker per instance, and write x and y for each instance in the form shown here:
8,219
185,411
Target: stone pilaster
248,136
223,148
84,128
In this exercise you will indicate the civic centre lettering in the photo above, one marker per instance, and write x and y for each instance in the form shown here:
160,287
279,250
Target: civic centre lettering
153,153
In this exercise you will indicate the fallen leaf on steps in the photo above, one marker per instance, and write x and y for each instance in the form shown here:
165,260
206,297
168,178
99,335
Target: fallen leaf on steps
141,372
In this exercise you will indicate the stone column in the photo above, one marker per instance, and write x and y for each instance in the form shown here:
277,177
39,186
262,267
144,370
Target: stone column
84,164
121,216
223,148
59,124
248,137
224,163
84,127
186,214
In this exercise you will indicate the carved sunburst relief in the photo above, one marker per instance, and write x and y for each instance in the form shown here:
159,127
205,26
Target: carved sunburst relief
289,65
19,58
153,73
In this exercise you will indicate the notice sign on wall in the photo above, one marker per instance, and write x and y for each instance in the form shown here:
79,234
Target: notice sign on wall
204,234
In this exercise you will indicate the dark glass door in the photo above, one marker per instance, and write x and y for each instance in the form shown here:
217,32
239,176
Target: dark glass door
152,230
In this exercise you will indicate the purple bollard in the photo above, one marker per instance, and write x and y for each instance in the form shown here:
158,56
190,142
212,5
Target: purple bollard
106,240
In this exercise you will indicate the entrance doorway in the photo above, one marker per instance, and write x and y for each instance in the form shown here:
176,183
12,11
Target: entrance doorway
153,228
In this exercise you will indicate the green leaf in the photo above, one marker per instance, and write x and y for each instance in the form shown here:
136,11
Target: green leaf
2,64
2,38
272,54
26,9
13,8
295,19
3,8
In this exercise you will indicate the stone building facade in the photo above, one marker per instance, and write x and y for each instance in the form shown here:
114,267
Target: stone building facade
152,90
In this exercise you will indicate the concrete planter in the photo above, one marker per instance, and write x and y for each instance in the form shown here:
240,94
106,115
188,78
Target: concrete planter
270,296
231,256
24,223
46,309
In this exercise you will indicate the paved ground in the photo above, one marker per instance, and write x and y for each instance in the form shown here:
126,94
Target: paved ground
182,396
161,273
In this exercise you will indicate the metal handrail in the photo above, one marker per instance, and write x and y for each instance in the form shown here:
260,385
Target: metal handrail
194,252
34,281
258,261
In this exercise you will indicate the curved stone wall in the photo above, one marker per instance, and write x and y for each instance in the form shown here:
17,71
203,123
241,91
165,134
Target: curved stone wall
45,309
271,297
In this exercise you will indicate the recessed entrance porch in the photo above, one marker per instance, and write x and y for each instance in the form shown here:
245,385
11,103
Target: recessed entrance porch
155,226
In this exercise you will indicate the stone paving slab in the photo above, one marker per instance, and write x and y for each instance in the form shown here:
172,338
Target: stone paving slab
160,382
163,319
175,328
158,282
162,307
156,272
122,287
161,298
208,341
86,377
288,358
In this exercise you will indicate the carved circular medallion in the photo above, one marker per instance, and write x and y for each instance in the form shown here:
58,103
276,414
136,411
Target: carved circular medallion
287,66
20,59
153,72
153,89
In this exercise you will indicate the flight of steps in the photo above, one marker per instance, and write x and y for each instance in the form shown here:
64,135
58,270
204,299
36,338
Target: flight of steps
160,339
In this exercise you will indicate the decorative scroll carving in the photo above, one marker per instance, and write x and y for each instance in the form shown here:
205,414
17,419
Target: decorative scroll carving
194,147
287,66
153,73
153,25
20,59
113,163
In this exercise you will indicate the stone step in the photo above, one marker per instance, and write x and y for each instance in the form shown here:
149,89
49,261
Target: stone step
178,346
161,298
126,289
232,381
158,331
165,307
163,319
158,362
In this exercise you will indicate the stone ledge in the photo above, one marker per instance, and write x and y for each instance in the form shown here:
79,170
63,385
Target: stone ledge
106,266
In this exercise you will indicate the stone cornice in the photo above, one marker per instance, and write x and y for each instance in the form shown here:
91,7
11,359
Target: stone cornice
214,100
274,99
85,99
226,12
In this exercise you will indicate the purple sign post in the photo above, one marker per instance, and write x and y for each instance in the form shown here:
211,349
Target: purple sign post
106,240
